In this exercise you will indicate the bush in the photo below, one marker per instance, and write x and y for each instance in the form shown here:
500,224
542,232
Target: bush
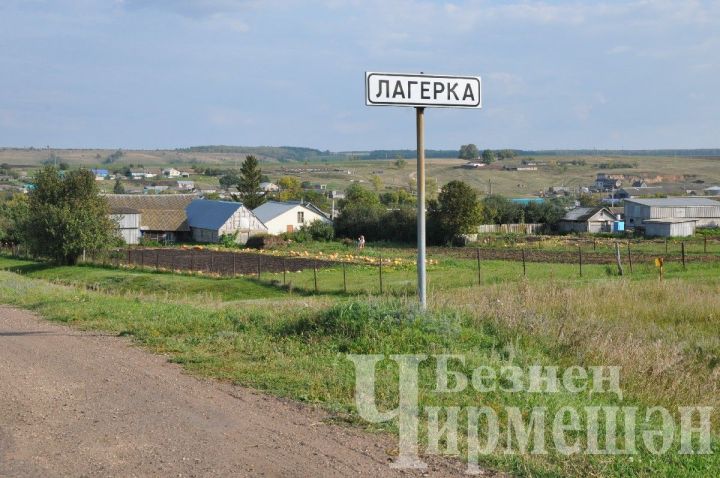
228,240
320,231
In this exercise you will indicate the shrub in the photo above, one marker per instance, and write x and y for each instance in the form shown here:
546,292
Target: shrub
228,240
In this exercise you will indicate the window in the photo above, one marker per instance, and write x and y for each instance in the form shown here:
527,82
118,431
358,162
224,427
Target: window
301,217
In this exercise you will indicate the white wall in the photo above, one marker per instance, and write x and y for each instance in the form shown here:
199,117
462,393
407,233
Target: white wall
280,224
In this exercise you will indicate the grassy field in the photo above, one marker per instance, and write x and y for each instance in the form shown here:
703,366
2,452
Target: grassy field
664,335
338,174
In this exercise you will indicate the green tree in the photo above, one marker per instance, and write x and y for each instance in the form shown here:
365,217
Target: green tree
400,163
249,185
376,181
13,219
488,156
290,188
67,215
229,180
118,188
456,211
360,213
469,152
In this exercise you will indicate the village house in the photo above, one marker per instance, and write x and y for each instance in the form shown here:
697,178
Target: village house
269,187
282,217
161,216
186,185
209,220
587,219
100,174
171,173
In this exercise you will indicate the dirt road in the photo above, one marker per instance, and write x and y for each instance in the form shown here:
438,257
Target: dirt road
81,404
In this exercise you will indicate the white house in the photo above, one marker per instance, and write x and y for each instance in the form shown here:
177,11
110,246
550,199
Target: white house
269,187
282,217
186,185
208,220
171,173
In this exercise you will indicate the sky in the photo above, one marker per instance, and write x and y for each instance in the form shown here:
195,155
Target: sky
147,74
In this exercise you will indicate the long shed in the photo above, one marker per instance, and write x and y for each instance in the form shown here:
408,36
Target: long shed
705,211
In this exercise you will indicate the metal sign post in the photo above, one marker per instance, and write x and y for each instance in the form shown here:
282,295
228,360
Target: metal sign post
421,91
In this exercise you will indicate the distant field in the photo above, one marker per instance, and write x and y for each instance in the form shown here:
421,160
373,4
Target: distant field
555,172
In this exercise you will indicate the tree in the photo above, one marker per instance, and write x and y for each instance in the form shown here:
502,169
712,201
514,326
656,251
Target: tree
359,214
229,180
13,219
118,188
67,215
290,188
469,152
456,211
376,181
400,163
488,156
505,154
249,184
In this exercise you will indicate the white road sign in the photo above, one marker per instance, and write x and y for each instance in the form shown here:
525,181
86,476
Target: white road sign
398,89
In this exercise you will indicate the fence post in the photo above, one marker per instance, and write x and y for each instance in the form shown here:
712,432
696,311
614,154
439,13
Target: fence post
381,277
705,245
682,250
478,267
142,259
523,260
344,278
594,244
666,247
192,261
580,256
212,262
629,257
172,263
315,275
617,258
284,270
157,260
235,268
258,266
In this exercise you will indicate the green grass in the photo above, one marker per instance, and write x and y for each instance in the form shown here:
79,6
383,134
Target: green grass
125,281
663,335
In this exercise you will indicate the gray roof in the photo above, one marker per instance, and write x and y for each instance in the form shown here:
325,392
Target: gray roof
675,202
206,214
272,209
583,213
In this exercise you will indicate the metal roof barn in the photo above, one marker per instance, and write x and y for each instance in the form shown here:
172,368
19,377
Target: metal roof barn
705,211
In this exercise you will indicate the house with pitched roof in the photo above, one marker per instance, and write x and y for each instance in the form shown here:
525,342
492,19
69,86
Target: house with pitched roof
289,216
209,220
587,219
161,216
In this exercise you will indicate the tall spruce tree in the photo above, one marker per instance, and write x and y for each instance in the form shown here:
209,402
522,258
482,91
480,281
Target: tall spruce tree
249,184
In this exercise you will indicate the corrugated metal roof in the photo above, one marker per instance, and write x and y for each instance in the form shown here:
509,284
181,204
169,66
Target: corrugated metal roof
583,213
272,209
206,214
675,202
158,212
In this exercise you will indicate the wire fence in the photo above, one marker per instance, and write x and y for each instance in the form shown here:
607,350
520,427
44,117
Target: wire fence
470,266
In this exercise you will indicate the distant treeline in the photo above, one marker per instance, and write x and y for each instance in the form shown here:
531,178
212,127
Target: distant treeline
281,153
624,152
294,153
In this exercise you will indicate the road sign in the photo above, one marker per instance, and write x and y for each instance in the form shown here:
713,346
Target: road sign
421,91
438,91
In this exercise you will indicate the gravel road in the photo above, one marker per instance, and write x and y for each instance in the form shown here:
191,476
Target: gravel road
85,404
